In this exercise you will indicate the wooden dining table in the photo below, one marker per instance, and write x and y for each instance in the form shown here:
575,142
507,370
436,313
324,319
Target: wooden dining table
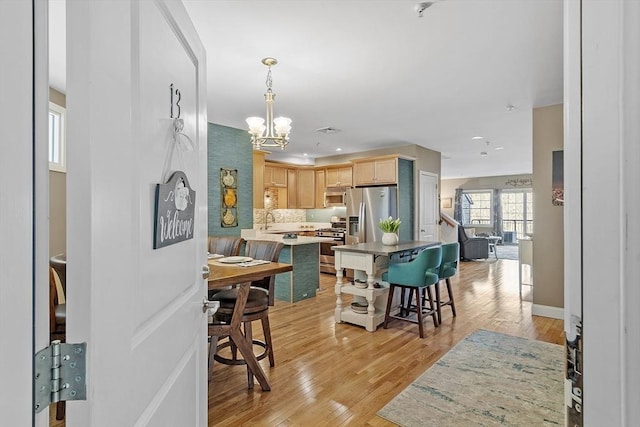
221,276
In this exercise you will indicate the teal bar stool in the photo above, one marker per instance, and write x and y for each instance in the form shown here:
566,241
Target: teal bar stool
448,268
414,276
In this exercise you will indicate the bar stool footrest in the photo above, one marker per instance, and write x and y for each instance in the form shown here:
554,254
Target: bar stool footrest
228,361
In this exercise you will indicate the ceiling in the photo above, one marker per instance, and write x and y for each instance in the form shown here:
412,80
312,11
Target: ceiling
383,76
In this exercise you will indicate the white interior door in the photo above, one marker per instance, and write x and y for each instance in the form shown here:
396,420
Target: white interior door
428,207
139,309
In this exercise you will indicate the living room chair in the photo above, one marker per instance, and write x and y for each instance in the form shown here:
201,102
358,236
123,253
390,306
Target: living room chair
257,308
472,247
415,276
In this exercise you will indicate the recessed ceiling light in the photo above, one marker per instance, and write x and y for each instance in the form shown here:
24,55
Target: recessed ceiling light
510,107
499,148
477,137
338,149
305,154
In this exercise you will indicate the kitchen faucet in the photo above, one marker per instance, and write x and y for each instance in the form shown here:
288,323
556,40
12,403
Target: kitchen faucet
266,219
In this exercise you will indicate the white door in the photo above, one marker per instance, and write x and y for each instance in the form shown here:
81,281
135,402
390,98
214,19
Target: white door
428,207
130,65
23,205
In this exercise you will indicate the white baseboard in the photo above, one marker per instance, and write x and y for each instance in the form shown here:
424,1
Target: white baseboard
547,311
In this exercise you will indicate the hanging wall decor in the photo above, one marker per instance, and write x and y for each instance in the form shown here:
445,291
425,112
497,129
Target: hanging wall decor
228,197
174,213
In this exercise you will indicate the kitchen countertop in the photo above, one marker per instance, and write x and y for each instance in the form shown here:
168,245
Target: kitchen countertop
290,227
386,250
300,240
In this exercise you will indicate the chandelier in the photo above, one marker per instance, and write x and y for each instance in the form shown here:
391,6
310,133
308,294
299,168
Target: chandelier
276,131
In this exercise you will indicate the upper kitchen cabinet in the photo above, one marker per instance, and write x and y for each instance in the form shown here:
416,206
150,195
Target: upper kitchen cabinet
320,182
292,189
306,187
258,179
275,176
339,176
375,171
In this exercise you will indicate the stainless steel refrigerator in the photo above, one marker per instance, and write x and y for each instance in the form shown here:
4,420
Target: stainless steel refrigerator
365,208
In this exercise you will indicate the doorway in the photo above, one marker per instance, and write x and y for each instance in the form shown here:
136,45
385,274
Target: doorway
517,214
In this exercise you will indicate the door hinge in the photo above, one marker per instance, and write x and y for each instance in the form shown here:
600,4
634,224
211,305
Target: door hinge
573,375
60,374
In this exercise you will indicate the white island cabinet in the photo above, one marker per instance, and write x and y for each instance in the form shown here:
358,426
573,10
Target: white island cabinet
368,260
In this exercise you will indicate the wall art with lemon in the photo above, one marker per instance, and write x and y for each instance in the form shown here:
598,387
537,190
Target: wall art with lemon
228,197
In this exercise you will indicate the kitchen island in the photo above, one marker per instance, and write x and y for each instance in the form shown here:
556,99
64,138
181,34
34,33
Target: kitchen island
303,254
369,260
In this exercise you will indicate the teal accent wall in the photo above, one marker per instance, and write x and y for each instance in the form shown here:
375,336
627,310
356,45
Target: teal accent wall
304,280
229,148
406,199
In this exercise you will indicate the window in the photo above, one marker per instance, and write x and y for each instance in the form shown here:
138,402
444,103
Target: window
517,212
56,138
477,207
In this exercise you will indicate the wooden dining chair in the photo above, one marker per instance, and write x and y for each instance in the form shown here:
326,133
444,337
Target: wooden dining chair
257,308
225,245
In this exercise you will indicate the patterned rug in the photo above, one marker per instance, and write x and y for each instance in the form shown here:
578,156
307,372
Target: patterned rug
487,379
506,252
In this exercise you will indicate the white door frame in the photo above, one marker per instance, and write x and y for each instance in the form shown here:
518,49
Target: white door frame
609,240
24,280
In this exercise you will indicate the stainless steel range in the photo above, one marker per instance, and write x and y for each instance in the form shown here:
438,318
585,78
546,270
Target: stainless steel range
337,232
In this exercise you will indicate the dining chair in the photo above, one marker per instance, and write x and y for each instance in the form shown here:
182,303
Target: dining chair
257,308
57,317
268,251
59,264
448,269
416,276
225,245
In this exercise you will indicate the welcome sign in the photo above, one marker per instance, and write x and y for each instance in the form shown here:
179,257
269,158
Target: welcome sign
174,211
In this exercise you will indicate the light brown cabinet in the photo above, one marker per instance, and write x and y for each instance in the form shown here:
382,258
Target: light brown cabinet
306,189
320,186
339,177
258,179
292,189
376,171
300,189
275,176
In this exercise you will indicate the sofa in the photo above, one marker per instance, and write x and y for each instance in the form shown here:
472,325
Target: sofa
472,247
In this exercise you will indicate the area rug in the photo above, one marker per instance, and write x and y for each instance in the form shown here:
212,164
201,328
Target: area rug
506,252
488,379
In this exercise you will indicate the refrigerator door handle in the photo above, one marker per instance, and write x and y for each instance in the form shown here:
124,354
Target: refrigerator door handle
362,223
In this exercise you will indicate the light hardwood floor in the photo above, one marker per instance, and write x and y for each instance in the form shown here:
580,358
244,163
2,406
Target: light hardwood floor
330,374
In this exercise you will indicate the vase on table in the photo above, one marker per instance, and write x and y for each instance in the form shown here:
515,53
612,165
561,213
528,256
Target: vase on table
389,239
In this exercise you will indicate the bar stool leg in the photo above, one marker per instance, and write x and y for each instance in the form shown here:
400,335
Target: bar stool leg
248,334
266,329
419,304
453,304
389,301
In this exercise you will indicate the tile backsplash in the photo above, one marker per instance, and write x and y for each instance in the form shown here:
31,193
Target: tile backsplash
280,215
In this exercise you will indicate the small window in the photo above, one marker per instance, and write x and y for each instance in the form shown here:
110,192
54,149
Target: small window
477,207
57,154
